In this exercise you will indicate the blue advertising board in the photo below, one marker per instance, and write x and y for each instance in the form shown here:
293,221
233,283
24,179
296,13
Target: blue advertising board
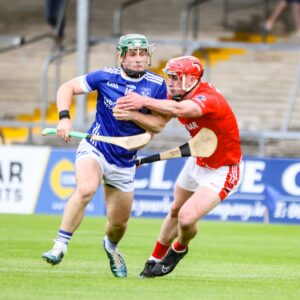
269,192
59,184
154,185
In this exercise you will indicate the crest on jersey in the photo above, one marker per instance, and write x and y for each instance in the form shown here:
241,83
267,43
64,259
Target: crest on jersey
146,92
201,97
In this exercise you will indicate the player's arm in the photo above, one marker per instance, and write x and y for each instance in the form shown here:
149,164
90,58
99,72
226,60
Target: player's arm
184,109
153,122
64,99
66,92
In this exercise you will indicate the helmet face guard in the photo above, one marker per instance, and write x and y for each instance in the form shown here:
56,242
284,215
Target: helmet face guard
135,42
182,74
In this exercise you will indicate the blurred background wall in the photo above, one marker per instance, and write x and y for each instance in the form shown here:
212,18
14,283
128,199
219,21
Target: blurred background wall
258,73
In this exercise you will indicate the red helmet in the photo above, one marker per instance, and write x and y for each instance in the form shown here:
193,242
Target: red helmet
186,71
185,65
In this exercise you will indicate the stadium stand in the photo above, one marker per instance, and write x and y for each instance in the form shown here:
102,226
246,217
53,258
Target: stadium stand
258,84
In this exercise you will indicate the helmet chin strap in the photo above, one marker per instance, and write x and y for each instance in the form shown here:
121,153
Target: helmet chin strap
179,97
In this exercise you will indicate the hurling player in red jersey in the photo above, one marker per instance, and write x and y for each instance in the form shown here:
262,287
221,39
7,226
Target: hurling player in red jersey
203,182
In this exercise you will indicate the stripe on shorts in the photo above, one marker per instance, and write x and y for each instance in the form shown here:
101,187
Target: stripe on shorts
231,181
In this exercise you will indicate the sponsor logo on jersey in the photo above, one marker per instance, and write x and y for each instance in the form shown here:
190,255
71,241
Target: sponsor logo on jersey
113,84
109,103
191,126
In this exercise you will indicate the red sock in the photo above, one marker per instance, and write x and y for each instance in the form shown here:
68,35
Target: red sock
160,250
178,247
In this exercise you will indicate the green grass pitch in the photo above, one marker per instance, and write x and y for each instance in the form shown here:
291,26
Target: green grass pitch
226,261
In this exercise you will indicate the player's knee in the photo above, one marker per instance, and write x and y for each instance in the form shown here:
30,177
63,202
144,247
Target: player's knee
86,192
118,224
185,219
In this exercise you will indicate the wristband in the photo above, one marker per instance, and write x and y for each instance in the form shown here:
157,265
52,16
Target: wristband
63,114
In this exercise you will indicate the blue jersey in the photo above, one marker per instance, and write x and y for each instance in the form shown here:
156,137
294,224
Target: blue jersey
111,84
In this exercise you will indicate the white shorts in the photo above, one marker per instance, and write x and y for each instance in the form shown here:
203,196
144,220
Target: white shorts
120,178
224,180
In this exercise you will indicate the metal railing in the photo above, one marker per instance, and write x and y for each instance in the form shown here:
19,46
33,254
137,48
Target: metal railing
118,13
22,124
227,8
189,46
291,103
56,52
8,42
53,57
261,137
184,21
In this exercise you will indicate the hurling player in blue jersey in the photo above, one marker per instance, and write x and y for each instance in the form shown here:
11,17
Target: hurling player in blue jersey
98,162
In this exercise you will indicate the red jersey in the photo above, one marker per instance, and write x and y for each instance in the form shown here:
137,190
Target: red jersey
217,116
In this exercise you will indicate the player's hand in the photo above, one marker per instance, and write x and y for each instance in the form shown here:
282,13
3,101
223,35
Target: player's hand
63,128
123,115
132,101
